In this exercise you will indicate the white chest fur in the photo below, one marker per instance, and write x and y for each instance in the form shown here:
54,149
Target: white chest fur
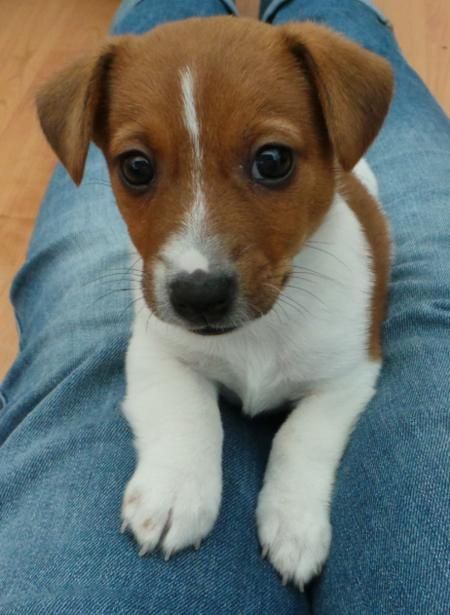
312,345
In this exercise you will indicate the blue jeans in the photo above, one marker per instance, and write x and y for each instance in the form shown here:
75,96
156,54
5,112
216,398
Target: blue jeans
66,453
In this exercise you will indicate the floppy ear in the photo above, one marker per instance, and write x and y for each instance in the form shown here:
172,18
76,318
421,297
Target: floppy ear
354,86
69,108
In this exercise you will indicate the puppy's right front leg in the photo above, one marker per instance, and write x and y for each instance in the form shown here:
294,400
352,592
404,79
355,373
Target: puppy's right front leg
173,497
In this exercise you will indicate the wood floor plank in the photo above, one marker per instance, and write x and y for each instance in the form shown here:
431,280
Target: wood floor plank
248,8
37,37
422,28
14,237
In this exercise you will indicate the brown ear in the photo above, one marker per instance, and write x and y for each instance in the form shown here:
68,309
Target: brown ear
354,86
68,108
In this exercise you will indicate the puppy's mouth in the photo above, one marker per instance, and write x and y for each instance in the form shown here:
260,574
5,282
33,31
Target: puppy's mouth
204,303
208,330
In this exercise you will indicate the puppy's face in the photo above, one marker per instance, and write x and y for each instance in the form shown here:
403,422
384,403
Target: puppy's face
222,138
220,168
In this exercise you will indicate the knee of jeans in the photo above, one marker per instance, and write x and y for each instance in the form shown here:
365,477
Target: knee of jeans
415,194
139,16
74,280
77,280
419,304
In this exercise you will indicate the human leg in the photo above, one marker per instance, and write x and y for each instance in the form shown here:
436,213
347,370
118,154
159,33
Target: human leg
66,453
390,547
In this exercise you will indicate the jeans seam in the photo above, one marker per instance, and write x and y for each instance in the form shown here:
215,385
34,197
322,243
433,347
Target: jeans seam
271,11
231,6
378,14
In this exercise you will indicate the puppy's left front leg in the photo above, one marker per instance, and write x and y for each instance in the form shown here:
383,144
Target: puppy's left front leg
173,497
293,506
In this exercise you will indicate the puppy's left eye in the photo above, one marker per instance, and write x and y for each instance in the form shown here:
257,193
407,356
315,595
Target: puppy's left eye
137,170
272,164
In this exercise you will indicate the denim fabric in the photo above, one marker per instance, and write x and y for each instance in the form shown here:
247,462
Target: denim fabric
66,453
138,16
391,509
270,8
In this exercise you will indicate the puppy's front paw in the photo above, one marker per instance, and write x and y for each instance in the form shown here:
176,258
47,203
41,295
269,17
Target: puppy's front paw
295,533
170,509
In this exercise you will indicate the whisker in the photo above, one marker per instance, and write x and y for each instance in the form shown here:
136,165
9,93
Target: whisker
130,272
277,296
324,243
134,266
142,307
290,301
328,254
301,278
274,310
127,307
285,314
294,305
114,277
304,290
312,272
150,314
283,308
261,314
116,290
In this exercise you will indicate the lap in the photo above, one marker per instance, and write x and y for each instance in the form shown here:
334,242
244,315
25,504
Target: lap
390,549
66,452
62,476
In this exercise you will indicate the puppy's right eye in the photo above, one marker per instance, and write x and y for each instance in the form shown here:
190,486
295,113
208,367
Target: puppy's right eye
272,164
137,170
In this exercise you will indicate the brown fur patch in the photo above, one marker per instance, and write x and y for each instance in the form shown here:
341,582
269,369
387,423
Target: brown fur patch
377,234
299,85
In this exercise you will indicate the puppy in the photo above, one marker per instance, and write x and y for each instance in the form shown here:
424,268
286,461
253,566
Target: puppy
231,146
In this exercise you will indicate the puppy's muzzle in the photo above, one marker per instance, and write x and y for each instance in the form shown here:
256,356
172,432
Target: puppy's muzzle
203,299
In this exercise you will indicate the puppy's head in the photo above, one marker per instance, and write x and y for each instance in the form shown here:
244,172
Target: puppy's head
222,138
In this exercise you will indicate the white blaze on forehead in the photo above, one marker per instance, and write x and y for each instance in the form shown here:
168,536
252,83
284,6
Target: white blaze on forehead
194,225
190,113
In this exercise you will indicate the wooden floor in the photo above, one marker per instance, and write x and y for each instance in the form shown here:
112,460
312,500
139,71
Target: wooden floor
38,36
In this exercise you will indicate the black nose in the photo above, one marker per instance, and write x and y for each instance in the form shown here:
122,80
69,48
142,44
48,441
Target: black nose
202,297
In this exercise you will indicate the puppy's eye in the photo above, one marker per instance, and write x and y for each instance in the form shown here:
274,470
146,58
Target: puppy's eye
272,164
136,169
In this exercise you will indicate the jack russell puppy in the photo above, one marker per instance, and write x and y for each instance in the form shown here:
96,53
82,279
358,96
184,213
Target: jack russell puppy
234,149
